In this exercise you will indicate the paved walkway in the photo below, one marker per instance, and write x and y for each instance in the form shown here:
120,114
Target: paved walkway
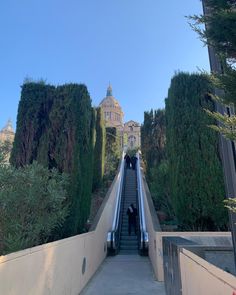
124,275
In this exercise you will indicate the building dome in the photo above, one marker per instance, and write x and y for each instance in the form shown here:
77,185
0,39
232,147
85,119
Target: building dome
8,127
109,100
112,110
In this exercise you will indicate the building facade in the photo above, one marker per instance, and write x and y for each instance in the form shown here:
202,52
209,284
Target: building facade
7,133
112,111
132,134
130,131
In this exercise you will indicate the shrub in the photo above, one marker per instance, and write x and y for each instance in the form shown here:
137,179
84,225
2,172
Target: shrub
32,205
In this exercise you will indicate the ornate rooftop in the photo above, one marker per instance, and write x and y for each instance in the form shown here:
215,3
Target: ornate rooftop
109,100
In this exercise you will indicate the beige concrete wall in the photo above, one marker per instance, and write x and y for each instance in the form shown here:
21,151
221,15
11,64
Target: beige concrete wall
155,236
159,249
199,277
56,268
202,278
152,249
155,250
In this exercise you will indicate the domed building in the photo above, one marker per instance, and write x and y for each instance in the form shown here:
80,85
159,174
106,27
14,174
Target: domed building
113,114
130,132
7,133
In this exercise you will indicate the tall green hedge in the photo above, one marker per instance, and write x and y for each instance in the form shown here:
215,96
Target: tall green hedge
113,150
32,121
195,170
153,137
153,143
99,150
73,138
55,126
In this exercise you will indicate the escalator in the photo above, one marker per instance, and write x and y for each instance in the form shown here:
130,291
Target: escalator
130,190
128,243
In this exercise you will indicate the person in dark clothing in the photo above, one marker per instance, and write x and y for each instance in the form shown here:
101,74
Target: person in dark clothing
133,162
127,160
132,213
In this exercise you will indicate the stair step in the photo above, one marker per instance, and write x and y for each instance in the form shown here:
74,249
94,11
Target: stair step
129,238
128,243
129,247
125,233
128,252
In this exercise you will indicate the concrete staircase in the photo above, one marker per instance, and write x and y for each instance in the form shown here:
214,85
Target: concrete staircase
128,244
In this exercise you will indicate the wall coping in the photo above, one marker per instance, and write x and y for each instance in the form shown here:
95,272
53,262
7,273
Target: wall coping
218,273
104,202
155,221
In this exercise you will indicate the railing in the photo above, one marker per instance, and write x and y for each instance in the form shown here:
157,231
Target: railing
143,234
113,236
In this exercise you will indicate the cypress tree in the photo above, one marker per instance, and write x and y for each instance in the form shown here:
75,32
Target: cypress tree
195,171
153,139
32,121
55,126
112,150
146,140
99,150
74,149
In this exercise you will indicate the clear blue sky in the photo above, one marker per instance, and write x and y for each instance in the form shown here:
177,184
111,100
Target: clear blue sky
137,45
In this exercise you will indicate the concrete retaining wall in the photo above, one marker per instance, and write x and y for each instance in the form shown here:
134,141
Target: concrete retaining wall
156,235
58,268
199,277
187,235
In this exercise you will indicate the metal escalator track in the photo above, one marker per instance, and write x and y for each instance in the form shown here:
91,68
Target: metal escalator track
129,190
128,243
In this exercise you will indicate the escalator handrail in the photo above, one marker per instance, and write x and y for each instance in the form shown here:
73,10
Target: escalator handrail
115,223
142,221
111,238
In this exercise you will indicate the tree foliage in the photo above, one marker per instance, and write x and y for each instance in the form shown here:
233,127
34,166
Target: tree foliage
231,204
153,141
195,171
32,205
220,33
113,151
5,150
55,126
228,124
219,21
99,150
32,121
153,136
160,189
